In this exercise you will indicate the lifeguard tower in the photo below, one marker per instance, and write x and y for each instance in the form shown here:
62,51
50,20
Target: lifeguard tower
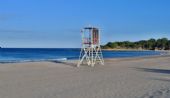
91,51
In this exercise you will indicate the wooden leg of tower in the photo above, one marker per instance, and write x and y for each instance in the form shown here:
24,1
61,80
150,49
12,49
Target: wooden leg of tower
78,65
83,57
101,56
81,53
93,57
92,62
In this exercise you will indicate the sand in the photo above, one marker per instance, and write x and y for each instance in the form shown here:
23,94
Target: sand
118,78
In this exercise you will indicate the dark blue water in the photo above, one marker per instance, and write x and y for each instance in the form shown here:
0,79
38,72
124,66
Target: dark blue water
10,55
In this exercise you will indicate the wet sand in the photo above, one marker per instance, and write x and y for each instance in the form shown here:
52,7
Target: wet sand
118,78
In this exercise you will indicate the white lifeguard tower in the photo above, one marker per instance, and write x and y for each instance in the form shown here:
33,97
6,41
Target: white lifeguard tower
91,51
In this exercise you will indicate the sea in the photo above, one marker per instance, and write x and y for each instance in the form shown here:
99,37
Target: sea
15,55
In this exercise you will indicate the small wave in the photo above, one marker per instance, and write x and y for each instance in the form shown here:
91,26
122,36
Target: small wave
38,60
59,59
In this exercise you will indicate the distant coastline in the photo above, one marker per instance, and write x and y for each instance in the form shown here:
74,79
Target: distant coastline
142,45
126,50
164,51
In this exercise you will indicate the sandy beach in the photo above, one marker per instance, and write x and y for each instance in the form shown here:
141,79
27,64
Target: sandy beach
118,78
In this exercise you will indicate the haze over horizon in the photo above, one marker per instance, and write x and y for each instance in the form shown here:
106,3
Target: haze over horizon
57,23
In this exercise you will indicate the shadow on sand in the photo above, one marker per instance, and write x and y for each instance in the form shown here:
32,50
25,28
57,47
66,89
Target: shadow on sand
68,63
161,79
65,63
163,71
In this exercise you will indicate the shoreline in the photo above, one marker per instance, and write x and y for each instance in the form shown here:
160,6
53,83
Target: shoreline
72,60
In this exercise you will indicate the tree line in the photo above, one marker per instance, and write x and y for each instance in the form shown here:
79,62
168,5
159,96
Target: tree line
151,44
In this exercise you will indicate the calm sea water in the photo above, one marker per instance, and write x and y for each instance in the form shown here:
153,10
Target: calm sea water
11,55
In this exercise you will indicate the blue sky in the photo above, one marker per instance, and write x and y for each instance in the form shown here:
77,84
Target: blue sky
57,23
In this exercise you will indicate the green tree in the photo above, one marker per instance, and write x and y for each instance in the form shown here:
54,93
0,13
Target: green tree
167,47
143,44
162,43
151,43
109,44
